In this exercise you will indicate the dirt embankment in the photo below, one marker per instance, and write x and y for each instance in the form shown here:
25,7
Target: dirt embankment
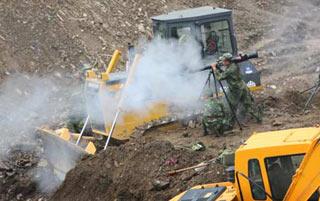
135,171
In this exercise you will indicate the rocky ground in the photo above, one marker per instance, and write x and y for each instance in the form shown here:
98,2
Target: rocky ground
64,36
60,37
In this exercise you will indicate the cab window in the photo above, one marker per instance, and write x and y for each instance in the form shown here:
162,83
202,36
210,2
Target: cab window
216,38
280,171
256,181
160,30
181,32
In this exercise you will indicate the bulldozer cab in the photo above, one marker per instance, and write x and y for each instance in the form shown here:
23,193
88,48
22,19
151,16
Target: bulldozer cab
213,30
211,27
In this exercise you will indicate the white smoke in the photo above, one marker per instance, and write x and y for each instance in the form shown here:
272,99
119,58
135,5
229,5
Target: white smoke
164,75
29,102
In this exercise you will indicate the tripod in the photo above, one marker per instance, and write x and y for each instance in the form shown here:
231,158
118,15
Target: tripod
211,73
315,91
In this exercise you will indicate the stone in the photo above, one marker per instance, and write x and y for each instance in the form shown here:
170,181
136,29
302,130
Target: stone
159,185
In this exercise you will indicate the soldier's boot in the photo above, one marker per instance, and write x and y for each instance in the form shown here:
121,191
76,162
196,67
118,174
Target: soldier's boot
258,114
205,129
220,132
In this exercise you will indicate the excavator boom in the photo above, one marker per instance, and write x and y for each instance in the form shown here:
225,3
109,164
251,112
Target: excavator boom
305,183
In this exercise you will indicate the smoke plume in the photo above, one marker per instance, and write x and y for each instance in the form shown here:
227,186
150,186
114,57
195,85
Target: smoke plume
163,75
30,102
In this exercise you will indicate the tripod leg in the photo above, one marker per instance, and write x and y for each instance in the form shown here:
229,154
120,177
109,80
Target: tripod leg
311,97
228,101
207,83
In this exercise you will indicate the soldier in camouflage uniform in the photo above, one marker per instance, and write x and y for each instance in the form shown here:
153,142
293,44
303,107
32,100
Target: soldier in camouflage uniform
215,118
238,92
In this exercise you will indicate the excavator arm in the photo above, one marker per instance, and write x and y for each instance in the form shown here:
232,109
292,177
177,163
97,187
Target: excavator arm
306,182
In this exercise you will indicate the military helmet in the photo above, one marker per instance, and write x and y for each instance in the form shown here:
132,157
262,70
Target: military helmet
227,56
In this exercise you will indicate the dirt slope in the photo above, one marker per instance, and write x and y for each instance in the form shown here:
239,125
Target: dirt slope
46,36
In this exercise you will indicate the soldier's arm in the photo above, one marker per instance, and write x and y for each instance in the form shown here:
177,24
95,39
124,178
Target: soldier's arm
225,74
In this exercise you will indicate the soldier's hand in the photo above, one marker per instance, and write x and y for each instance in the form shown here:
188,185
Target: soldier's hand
214,66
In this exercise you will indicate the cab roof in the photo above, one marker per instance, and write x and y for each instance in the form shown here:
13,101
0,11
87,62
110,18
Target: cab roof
298,136
192,13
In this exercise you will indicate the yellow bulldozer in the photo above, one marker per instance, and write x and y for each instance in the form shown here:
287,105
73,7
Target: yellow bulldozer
271,166
106,118
211,27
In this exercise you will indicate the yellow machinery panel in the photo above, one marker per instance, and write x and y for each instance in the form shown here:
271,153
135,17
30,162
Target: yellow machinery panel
131,120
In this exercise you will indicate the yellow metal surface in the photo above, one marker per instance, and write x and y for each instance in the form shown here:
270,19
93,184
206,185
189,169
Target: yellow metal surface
65,134
301,136
104,76
256,88
91,149
128,121
306,181
90,74
270,144
228,195
114,61
114,87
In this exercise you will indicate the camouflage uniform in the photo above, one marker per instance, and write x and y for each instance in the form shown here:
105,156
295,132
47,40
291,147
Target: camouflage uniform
215,119
238,91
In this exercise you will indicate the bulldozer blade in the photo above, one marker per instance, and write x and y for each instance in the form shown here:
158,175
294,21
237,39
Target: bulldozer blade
61,155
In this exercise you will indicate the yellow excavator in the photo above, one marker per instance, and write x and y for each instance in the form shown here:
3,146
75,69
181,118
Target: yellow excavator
271,166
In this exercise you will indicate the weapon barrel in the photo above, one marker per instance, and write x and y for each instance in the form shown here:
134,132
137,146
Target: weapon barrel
237,59
245,57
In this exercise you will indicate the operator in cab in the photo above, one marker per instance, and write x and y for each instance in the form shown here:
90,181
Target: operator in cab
238,92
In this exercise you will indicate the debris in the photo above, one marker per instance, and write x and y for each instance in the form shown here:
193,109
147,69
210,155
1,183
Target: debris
2,38
185,134
159,185
199,146
196,167
192,124
141,28
171,161
276,123
272,86
201,167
